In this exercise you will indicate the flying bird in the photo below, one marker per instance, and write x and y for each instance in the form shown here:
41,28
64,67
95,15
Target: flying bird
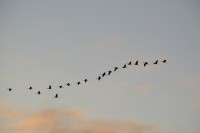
49,87
124,66
9,89
130,63
99,78
109,72
145,63
30,88
78,83
115,68
60,86
85,80
136,63
68,84
104,74
156,62
38,92
56,96
164,61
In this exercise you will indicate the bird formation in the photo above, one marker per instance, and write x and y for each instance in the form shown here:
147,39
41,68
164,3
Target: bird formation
99,78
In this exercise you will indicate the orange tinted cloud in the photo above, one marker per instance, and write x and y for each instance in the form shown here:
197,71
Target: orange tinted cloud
71,121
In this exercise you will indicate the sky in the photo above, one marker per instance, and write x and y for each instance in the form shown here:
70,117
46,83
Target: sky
53,42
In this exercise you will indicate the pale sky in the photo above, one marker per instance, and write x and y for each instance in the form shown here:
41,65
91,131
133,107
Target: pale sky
52,42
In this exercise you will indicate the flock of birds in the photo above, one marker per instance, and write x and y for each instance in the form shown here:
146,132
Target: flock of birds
99,77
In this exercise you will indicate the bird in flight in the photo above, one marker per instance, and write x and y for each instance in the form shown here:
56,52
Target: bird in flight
49,87
156,62
130,63
104,74
164,61
56,96
9,89
68,84
38,92
115,68
78,83
109,72
145,63
85,80
30,88
60,86
136,63
124,66
99,78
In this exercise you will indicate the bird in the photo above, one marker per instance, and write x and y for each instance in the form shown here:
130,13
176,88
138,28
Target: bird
9,89
104,74
49,87
136,63
85,80
145,63
38,92
164,61
115,68
68,84
56,96
130,63
78,83
156,62
99,78
124,66
30,88
60,86
109,72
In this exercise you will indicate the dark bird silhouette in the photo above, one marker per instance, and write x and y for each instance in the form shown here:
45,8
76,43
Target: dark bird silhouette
145,63
9,89
99,78
49,87
68,84
136,63
56,96
156,62
85,80
130,63
78,83
60,86
38,92
164,61
104,74
115,68
124,66
109,72
30,88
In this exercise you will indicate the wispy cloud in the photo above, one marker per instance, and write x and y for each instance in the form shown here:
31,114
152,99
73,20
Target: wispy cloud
69,121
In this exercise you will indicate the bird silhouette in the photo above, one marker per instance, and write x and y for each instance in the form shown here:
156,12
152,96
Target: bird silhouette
38,92
115,68
104,74
164,61
68,84
145,63
49,87
156,62
56,96
136,63
124,66
85,80
78,83
60,86
109,72
130,63
99,78
30,88
9,89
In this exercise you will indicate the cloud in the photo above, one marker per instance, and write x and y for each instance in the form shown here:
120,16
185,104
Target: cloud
71,121
192,81
144,89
